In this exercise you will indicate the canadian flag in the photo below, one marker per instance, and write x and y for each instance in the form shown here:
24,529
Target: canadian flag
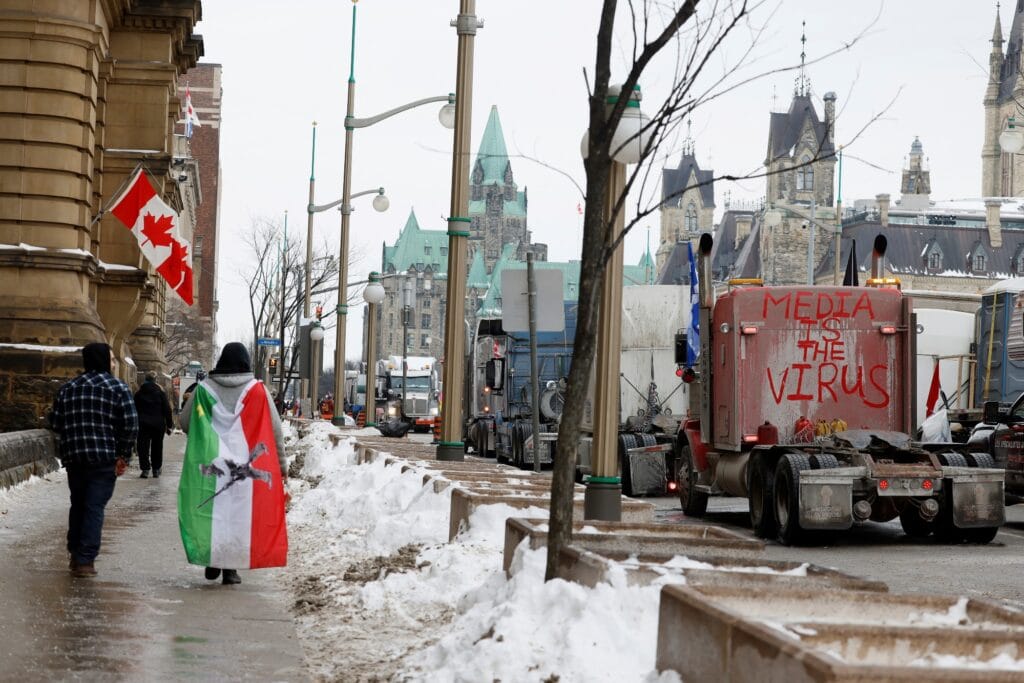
933,392
155,226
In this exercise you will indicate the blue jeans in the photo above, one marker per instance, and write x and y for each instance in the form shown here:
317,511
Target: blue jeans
91,487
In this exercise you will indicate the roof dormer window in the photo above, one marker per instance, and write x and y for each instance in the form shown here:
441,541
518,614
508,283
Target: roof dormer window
935,260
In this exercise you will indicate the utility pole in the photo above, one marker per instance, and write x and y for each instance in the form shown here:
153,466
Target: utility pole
531,292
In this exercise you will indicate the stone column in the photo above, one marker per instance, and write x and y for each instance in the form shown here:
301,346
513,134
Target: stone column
48,130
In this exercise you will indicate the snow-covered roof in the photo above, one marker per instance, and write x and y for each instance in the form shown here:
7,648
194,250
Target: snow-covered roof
1013,284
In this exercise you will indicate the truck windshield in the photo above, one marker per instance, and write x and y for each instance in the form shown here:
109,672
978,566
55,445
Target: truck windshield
415,383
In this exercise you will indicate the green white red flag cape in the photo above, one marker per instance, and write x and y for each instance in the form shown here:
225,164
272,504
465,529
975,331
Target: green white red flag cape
231,498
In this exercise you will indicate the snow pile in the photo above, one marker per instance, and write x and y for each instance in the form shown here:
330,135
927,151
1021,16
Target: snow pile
384,595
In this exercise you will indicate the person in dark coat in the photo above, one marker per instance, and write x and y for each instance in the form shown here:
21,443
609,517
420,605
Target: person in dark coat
95,420
155,420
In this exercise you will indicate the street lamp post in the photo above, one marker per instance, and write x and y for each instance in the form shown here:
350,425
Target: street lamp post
373,294
351,123
603,496
452,418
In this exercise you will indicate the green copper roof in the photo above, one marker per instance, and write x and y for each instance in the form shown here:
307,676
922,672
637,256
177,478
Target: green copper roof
478,272
417,246
493,156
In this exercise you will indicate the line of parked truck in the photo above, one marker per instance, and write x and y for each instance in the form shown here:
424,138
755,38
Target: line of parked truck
803,400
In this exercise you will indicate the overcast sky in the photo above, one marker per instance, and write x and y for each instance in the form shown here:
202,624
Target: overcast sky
286,65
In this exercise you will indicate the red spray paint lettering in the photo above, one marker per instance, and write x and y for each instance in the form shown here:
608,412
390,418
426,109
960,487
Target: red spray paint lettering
822,371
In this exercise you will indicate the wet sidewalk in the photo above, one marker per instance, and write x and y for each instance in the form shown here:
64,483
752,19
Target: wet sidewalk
149,615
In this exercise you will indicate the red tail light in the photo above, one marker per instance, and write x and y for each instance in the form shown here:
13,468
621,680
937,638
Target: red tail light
884,484
888,329
926,484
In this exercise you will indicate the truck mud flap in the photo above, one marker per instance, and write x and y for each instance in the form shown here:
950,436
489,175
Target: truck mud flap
978,497
826,501
647,470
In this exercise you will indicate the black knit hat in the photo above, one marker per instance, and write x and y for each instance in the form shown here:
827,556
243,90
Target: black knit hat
234,358
96,357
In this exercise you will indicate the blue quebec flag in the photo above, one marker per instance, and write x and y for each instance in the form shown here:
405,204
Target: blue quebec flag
693,333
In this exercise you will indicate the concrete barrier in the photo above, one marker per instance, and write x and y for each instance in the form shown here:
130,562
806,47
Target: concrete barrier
740,634
647,538
589,568
26,453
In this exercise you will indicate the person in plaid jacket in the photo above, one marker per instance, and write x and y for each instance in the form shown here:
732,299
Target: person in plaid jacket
94,417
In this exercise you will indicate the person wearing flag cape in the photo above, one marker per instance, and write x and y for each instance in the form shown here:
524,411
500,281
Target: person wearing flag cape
231,496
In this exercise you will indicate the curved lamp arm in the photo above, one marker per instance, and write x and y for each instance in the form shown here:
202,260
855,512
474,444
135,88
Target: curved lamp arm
317,208
353,122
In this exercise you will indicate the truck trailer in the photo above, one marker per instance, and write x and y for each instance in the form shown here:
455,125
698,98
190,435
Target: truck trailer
803,402
652,398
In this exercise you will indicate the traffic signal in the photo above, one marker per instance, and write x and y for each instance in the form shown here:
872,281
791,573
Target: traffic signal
319,311
273,362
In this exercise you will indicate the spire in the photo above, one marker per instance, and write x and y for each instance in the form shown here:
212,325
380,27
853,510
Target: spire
493,156
411,223
803,83
997,33
688,142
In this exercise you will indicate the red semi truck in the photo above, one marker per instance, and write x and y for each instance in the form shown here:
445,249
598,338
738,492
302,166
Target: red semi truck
802,402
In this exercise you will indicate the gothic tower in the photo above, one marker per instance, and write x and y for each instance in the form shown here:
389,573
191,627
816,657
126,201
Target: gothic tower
1002,174
496,206
916,184
687,203
801,169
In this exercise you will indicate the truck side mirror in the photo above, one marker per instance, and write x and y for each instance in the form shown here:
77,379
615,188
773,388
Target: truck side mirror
494,374
680,348
991,412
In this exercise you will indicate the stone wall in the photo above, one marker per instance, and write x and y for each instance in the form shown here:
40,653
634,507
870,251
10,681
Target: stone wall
26,453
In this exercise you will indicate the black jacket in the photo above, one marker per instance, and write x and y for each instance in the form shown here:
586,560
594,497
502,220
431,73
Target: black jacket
153,408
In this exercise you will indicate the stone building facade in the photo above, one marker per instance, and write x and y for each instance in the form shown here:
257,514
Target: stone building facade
192,330
89,92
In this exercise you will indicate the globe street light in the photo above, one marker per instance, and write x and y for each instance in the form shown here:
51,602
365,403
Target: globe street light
603,496
316,335
351,123
450,446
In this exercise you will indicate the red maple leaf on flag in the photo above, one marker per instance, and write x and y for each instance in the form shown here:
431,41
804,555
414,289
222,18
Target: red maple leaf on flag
175,266
157,230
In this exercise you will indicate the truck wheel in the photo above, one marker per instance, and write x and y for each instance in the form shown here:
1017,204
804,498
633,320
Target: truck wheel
823,461
760,496
693,502
787,497
981,460
953,460
913,525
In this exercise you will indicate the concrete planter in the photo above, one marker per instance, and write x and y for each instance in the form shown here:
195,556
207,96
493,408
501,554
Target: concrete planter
738,634
589,568
464,502
644,538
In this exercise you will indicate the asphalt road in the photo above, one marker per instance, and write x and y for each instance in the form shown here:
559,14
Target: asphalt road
149,615
883,552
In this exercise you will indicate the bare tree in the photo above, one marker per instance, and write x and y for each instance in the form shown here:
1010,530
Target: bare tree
677,41
276,281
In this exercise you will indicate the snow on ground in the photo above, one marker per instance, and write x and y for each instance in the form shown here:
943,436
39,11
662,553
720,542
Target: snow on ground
380,594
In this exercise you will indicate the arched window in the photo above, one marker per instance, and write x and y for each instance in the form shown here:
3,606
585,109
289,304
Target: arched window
935,260
690,218
979,262
805,174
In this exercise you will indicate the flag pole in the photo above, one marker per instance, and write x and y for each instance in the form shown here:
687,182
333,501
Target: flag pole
114,195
